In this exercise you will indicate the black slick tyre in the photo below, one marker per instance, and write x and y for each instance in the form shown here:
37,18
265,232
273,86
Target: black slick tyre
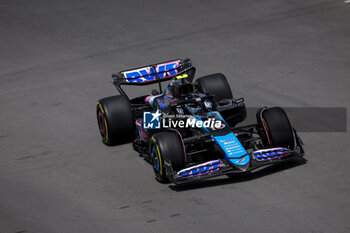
215,84
276,127
166,147
115,120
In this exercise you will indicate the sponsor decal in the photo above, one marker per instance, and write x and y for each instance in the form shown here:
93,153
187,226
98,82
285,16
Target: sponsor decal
233,149
150,73
269,154
201,169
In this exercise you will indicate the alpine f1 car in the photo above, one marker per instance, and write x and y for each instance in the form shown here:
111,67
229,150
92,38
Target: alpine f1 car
188,130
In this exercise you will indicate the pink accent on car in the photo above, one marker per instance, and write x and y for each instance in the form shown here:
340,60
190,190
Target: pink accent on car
101,123
267,135
140,129
148,99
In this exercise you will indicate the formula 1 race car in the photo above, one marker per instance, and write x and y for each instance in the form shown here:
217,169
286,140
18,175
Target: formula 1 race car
188,131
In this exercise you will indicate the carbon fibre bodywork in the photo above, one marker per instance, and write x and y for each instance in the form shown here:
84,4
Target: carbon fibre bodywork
208,151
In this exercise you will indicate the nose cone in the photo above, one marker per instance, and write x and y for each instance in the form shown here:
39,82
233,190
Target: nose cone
241,163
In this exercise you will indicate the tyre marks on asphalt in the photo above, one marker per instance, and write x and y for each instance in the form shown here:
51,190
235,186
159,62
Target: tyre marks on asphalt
33,156
3,136
151,220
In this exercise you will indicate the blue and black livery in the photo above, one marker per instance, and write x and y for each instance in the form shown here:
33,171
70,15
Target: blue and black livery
182,155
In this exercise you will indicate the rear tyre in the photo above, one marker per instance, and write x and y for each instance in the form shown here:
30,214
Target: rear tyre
277,129
115,120
166,147
215,84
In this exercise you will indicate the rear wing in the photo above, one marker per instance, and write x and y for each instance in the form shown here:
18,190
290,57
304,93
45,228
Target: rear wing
150,74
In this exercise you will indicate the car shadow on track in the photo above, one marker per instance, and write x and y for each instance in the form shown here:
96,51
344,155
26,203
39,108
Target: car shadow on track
237,178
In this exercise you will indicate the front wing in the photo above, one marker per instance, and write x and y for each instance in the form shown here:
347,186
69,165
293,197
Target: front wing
221,167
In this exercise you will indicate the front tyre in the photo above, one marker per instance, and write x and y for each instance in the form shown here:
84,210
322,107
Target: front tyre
277,129
166,147
115,120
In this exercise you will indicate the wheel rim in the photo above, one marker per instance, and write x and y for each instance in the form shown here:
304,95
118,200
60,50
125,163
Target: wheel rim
156,162
101,124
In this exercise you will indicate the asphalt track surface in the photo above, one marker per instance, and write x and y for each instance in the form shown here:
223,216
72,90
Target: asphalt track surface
56,58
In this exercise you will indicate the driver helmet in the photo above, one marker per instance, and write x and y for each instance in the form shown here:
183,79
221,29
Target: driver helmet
180,88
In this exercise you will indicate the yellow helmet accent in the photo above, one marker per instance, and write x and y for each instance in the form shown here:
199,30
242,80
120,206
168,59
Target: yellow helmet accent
182,76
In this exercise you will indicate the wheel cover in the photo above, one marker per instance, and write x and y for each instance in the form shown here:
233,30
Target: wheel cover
156,160
101,124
